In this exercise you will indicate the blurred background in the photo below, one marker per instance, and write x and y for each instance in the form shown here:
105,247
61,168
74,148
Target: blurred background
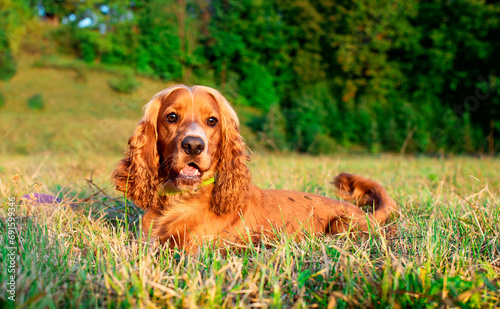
316,76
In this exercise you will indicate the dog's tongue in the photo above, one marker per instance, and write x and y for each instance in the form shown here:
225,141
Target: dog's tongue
190,171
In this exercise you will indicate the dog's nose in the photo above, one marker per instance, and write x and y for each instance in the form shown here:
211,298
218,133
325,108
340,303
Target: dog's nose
193,145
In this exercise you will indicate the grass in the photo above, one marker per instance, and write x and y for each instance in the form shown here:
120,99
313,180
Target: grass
78,253
87,251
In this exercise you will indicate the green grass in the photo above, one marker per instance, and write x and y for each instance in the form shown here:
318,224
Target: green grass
88,252
79,254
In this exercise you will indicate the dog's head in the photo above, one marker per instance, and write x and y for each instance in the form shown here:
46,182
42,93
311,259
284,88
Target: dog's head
187,136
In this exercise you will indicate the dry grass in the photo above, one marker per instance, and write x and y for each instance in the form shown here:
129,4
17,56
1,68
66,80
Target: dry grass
88,253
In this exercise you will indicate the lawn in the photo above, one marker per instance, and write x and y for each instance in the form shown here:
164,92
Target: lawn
87,250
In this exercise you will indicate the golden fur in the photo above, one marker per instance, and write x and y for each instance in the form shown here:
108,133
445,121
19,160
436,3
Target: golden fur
233,209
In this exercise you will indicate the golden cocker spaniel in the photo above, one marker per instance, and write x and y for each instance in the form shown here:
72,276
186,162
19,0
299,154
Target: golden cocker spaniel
186,166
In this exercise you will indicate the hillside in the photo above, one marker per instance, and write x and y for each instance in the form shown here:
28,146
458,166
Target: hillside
82,114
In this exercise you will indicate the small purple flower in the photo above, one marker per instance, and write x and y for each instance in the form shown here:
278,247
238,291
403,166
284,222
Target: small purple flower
42,198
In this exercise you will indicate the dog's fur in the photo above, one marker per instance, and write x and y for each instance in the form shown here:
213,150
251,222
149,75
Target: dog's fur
232,209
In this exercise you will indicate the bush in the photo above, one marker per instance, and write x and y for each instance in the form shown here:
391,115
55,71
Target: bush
322,144
310,113
257,86
125,83
2,100
36,102
7,65
275,129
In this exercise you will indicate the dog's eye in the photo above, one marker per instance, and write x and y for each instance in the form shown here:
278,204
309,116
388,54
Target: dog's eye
172,117
212,121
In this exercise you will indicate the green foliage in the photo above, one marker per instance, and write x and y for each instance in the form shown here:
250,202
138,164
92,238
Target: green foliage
309,116
57,8
322,144
125,83
159,40
2,100
274,129
379,75
257,87
36,102
15,19
7,65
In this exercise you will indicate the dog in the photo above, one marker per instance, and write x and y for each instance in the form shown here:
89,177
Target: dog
186,167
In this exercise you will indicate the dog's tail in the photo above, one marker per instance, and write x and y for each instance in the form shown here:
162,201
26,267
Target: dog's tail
362,191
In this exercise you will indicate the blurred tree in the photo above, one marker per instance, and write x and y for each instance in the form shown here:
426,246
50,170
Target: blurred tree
247,37
16,19
2,100
305,98
454,66
160,45
55,9
381,74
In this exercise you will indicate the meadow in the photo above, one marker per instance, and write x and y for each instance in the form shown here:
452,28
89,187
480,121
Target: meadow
87,250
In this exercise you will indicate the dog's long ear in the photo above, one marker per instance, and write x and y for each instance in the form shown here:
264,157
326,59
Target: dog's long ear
233,177
137,174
